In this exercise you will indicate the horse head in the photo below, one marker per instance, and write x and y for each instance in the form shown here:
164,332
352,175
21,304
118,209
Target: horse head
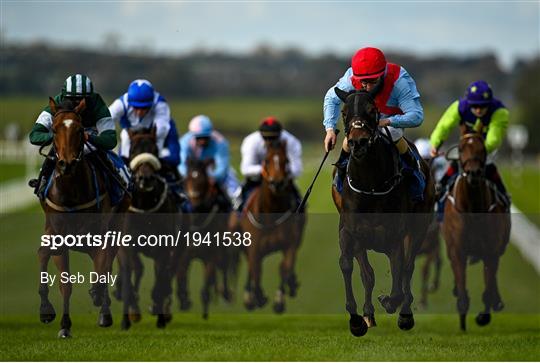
361,117
142,141
472,157
68,134
274,166
197,183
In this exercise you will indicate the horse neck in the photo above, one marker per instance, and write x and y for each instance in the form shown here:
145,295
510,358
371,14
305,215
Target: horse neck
372,170
472,198
270,202
76,187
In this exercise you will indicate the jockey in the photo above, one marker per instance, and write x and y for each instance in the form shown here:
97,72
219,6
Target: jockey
438,164
479,112
202,142
253,151
397,100
141,107
99,130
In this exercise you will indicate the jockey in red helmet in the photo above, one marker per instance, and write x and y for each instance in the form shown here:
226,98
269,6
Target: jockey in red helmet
397,100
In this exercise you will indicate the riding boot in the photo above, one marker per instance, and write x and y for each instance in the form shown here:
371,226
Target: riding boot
341,165
412,171
493,175
40,183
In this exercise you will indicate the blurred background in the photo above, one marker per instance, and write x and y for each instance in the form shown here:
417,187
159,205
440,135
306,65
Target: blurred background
238,62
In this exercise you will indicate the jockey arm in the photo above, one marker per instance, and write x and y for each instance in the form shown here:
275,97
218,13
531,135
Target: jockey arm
294,154
497,129
332,103
221,160
408,100
250,166
162,120
449,120
185,153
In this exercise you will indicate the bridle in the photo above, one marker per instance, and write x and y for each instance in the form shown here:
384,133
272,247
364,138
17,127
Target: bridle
480,160
81,132
374,134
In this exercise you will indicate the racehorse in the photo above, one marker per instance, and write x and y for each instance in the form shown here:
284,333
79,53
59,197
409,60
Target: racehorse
477,225
209,218
270,221
76,201
431,248
377,213
152,205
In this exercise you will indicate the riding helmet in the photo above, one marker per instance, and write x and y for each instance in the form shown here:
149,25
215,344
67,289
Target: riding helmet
77,85
479,93
141,94
201,126
270,127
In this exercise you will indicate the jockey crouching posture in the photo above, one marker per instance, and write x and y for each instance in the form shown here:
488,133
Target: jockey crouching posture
99,132
203,143
398,103
477,112
141,107
253,151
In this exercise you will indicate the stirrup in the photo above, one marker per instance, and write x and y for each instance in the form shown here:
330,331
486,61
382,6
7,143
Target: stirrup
33,183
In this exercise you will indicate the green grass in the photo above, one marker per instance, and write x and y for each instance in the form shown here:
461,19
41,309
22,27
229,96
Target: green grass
277,338
524,186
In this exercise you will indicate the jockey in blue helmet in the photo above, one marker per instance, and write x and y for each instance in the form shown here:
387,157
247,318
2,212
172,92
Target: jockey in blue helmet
141,107
204,143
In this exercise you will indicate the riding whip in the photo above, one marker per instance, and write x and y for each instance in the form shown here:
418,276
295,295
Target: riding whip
308,191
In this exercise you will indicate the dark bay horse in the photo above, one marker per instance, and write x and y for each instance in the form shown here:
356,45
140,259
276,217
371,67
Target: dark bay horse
270,220
76,202
210,217
431,249
153,210
377,213
476,224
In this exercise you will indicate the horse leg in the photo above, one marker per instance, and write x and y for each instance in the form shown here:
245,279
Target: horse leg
117,293
46,309
357,325
62,263
256,294
161,290
406,319
209,281
368,280
138,270
438,263
182,282
490,297
459,263
292,281
103,265
425,279
279,299
391,303
124,261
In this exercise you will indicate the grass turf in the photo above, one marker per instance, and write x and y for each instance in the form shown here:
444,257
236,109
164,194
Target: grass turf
242,337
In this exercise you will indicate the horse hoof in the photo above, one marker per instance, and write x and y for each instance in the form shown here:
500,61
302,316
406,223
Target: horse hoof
168,318
161,323
205,316
126,324
406,321
105,320
498,306
463,322
483,319
97,299
185,305
433,287
46,313
386,302
261,301
64,334
370,320
135,317
279,307
357,326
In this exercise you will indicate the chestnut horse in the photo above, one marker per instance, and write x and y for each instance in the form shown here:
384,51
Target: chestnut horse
153,210
76,202
210,217
270,220
476,224
377,213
